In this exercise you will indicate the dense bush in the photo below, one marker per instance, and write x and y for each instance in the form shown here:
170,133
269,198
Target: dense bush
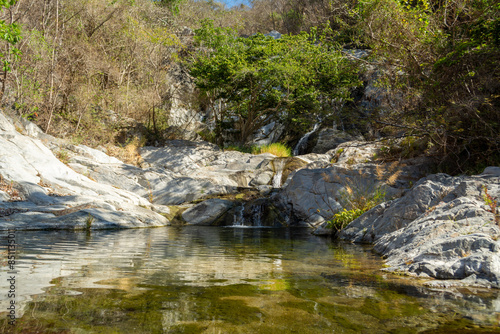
249,82
88,64
445,59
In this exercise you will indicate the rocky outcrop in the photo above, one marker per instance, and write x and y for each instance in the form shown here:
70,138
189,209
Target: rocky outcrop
44,193
44,180
444,228
206,212
313,195
330,139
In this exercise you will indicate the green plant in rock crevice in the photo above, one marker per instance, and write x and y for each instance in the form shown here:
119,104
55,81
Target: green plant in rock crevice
344,217
360,195
492,202
89,221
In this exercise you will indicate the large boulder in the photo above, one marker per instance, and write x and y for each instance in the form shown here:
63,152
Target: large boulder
206,212
313,195
444,227
330,139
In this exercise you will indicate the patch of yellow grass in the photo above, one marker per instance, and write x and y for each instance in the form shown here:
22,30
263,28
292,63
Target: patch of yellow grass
129,153
276,149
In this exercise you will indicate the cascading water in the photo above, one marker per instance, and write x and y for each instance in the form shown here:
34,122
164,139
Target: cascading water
254,214
257,215
279,164
239,219
301,145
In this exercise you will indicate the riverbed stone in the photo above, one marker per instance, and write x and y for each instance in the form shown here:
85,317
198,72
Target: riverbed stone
206,212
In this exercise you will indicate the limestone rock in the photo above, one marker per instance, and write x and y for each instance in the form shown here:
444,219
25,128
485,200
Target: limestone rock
42,180
441,228
206,212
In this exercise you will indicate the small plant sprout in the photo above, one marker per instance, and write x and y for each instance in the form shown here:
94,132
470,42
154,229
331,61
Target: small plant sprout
151,197
492,203
89,221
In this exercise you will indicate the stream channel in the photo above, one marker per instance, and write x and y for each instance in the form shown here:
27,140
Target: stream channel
223,280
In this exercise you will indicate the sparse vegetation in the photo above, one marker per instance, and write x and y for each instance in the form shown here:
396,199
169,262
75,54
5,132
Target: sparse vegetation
277,149
492,203
8,187
89,221
129,152
247,82
63,156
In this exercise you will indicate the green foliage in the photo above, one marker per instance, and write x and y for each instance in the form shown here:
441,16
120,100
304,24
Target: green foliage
242,149
252,81
63,156
343,218
361,195
89,221
277,149
90,66
10,33
443,58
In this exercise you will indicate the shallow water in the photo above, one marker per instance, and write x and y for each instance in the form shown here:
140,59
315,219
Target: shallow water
223,280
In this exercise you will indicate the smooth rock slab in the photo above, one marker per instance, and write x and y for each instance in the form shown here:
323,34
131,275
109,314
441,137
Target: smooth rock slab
206,212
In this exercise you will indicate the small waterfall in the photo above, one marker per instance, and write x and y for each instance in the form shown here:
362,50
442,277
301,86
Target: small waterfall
257,215
250,215
239,219
301,145
278,172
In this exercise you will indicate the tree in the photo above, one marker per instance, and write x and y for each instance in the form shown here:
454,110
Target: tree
252,81
10,33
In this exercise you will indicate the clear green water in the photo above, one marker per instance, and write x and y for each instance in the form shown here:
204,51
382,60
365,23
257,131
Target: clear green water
224,280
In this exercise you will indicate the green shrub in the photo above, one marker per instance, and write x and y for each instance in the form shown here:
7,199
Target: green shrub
277,149
344,217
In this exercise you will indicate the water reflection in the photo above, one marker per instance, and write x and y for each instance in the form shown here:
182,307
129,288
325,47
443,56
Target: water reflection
204,280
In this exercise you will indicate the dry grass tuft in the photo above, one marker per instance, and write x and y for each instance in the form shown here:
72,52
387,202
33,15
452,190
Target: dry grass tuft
276,149
129,153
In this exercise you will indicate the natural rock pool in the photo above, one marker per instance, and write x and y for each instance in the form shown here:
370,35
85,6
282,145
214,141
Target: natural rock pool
223,280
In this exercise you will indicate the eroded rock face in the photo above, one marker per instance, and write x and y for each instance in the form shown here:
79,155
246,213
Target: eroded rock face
180,172
313,195
330,139
441,228
49,194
